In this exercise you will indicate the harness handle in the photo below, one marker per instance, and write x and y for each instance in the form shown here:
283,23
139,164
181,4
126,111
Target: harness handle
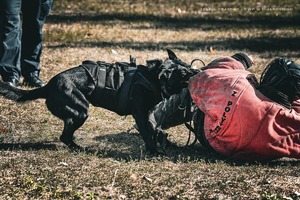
197,59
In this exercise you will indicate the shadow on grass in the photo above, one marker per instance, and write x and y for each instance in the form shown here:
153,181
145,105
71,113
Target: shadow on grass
174,154
125,146
260,44
166,22
28,146
130,146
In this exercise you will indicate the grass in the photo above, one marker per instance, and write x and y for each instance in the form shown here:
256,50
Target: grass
35,165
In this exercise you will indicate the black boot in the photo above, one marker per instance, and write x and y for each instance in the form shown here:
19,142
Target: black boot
33,81
12,82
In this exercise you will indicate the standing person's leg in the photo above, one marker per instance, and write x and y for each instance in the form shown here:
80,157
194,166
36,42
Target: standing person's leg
10,44
34,14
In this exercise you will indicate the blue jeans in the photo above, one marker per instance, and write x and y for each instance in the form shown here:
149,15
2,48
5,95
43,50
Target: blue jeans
21,23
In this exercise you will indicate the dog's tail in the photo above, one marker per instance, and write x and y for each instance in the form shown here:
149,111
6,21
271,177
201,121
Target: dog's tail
19,95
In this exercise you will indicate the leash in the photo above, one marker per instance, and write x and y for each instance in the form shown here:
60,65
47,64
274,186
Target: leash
191,130
189,125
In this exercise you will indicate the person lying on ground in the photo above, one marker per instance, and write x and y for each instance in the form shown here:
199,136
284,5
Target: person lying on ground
237,116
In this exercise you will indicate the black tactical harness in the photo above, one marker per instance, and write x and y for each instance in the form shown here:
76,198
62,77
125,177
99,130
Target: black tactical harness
109,79
113,84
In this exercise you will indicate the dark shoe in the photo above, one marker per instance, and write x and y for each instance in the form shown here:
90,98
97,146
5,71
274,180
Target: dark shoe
33,81
12,82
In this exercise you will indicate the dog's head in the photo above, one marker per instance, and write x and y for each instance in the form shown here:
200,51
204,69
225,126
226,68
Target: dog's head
172,73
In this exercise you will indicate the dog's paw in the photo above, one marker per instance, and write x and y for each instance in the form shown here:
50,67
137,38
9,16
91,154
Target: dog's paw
170,144
157,152
76,148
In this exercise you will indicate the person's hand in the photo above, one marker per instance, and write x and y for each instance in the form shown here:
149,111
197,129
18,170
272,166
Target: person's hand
246,60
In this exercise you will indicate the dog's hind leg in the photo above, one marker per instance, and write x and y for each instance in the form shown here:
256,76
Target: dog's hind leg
76,116
71,106
70,126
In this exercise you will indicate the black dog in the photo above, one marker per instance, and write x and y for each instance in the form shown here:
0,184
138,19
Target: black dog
120,87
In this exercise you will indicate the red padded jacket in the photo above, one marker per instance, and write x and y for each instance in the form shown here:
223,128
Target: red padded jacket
239,120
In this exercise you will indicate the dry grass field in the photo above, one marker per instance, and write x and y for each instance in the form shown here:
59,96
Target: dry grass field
35,165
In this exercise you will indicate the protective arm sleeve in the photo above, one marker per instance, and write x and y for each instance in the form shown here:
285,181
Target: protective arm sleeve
171,112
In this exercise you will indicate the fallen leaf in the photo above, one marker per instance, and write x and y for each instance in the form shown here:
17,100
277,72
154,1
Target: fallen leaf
212,51
63,164
114,51
147,179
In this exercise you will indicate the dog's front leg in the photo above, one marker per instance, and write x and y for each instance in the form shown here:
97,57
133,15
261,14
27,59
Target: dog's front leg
148,135
141,104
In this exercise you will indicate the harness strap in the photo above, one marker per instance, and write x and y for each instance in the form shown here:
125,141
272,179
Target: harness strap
144,80
122,103
98,74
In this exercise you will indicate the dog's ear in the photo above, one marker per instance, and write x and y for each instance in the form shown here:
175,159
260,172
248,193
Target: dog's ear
132,59
153,64
172,55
